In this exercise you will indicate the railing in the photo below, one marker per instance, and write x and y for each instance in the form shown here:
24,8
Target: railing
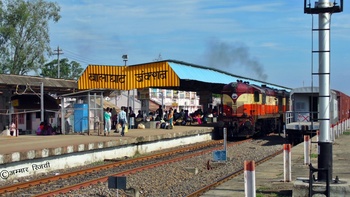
303,116
289,117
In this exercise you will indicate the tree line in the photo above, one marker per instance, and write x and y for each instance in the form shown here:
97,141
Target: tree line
25,40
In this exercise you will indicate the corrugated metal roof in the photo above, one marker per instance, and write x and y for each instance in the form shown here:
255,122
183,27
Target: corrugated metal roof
307,89
156,74
8,79
187,71
162,74
52,85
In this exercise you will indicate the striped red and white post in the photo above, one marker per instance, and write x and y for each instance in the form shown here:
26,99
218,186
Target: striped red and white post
249,178
307,149
338,129
287,163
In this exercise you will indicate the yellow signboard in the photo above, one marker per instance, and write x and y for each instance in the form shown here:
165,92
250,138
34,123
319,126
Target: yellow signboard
157,74
15,103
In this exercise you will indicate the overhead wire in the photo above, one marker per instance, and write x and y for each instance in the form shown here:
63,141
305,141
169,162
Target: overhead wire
79,60
79,57
72,56
76,57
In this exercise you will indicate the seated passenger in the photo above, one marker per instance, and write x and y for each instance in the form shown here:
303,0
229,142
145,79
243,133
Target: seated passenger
139,115
198,118
49,130
40,129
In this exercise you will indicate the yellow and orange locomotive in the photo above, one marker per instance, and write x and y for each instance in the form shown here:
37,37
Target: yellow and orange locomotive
249,110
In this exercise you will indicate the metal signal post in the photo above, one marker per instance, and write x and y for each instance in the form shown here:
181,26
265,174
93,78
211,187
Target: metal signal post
324,9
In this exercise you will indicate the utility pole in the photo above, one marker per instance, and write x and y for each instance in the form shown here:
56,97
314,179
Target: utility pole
58,52
125,59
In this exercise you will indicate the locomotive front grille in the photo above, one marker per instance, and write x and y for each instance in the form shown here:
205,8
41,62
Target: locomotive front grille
234,108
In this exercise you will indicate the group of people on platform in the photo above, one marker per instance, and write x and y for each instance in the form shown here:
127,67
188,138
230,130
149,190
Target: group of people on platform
111,121
45,129
173,117
114,120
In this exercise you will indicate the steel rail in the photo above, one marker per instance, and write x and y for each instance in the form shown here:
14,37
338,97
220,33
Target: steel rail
127,172
23,185
230,176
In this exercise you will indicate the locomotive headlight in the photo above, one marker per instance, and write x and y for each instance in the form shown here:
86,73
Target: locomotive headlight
234,96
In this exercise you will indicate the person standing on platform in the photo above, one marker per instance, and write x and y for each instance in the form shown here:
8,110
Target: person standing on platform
13,129
160,113
67,125
122,120
171,118
114,118
132,116
108,122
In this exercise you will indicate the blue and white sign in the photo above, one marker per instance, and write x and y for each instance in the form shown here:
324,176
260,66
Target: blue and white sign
219,155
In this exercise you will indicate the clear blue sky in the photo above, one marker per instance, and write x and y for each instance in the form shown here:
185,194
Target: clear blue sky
267,40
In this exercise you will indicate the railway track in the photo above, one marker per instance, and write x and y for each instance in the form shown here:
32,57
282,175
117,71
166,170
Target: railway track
86,172
142,166
230,176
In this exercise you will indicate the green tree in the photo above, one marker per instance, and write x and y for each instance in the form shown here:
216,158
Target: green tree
68,70
24,34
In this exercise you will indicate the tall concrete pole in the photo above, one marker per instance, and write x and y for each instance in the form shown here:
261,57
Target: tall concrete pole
42,101
324,9
325,143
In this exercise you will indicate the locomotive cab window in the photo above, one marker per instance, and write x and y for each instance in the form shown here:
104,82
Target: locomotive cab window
256,96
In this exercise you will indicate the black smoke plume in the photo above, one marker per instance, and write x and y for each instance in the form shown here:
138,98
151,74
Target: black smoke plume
231,58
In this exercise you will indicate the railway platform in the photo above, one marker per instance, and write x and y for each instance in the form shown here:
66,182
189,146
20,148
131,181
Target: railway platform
19,154
269,176
25,143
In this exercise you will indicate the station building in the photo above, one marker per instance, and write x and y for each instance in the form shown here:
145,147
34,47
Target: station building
144,86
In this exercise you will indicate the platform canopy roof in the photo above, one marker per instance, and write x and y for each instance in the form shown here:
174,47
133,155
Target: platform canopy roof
23,84
167,74
307,89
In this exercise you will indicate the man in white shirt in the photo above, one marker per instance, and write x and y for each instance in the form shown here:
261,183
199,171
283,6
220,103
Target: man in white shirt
122,120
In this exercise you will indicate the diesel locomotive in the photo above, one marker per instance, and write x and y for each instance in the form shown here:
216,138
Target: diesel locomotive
249,110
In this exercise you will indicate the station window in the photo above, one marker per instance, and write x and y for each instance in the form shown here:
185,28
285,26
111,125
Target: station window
188,95
300,106
168,93
181,95
21,118
175,94
154,92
